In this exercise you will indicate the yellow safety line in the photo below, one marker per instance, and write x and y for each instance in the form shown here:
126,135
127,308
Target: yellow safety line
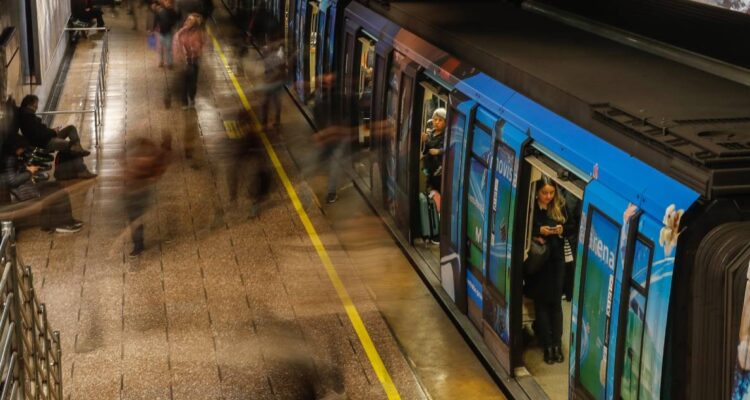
351,309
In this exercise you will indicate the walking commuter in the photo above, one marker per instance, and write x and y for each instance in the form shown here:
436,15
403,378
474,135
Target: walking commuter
245,155
275,74
145,162
334,133
165,21
188,46
546,285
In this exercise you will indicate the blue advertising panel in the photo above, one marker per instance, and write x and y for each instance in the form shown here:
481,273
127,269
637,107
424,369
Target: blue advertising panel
455,153
477,214
501,231
474,289
600,261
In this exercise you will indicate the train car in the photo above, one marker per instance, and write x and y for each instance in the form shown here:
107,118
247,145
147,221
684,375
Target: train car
651,156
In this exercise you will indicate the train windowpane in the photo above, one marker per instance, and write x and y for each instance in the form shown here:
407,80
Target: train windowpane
635,321
641,263
633,340
313,45
403,134
599,265
389,139
453,163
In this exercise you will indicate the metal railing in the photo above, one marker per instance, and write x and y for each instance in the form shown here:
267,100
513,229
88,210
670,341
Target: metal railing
101,86
30,354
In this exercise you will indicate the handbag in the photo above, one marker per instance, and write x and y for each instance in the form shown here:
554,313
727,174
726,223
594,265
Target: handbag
538,255
151,40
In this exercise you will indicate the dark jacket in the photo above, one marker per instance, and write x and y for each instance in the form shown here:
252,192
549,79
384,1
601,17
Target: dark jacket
166,19
32,128
18,179
547,284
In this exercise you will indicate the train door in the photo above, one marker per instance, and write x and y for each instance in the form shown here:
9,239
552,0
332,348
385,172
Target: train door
609,243
362,80
476,226
399,93
497,286
452,267
540,317
431,103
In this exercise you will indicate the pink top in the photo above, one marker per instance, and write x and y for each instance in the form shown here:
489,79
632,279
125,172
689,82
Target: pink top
189,43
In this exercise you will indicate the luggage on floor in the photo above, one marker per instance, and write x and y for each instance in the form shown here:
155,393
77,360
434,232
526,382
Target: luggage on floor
429,217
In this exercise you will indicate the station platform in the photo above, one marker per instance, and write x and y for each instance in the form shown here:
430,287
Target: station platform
222,305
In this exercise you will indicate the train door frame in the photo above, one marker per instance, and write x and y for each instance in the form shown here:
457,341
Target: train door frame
382,68
534,156
606,206
461,111
425,82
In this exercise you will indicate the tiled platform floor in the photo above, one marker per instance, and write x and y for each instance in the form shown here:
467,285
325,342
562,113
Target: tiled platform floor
221,305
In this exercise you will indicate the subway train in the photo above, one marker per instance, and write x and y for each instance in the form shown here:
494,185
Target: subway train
652,157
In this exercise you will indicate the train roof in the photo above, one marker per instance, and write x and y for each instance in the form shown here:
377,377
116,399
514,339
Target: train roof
688,123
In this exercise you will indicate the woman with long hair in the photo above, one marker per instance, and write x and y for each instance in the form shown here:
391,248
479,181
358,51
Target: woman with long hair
547,284
188,46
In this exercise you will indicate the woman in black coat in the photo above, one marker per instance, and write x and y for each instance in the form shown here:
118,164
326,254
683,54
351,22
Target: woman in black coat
546,285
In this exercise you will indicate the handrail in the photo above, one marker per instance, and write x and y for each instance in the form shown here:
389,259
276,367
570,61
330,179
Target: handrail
101,86
30,354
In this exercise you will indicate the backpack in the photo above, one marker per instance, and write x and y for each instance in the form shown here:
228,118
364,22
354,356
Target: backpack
67,166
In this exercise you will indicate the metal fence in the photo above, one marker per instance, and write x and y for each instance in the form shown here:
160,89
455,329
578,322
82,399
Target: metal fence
30,355
101,86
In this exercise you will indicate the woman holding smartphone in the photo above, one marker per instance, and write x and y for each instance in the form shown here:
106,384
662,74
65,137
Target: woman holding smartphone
547,283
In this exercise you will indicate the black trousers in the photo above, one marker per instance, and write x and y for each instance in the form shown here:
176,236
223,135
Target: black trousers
136,204
59,212
65,138
190,87
548,324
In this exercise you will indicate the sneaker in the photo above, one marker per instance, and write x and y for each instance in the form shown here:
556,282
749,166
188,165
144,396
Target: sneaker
136,252
78,151
86,175
71,228
77,223
331,198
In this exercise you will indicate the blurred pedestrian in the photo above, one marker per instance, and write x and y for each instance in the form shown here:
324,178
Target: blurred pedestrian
246,157
165,21
145,162
334,133
275,75
188,46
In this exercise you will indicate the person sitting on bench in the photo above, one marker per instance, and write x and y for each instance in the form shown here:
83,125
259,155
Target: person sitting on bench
56,213
83,10
39,135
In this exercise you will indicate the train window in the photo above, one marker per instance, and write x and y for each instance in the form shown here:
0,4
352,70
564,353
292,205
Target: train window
313,43
389,139
635,323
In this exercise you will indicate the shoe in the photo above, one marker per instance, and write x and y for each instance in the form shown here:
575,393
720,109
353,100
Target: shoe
137,250
558,355
435,240
77,151
331,198
86,175
71,228
38,158
41,176
549,355
77,223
